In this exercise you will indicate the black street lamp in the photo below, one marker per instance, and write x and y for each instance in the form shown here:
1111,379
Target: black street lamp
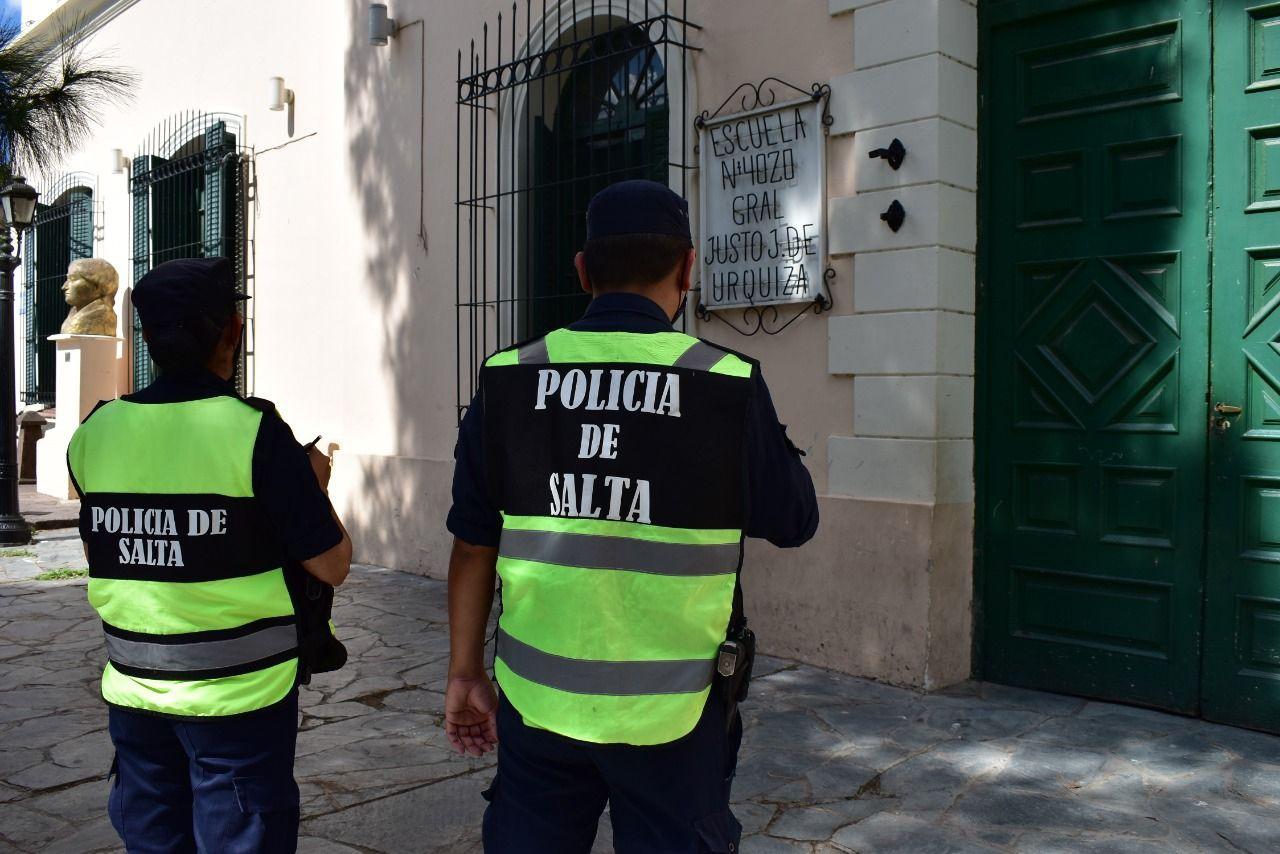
18,201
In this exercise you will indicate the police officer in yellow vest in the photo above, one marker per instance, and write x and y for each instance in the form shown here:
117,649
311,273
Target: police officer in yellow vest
608,472
203,520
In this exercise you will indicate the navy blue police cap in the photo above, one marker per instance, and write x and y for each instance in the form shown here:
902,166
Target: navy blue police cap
637,207
186,288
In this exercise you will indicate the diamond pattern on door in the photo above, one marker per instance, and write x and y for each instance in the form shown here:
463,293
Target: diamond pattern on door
1096,337
1095,343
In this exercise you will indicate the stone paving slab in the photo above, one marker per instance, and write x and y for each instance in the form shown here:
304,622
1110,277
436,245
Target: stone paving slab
830,763
44,512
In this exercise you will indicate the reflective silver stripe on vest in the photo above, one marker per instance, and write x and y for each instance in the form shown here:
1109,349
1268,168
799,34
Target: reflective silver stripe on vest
534,353
203,655
610,678
700,357
593,552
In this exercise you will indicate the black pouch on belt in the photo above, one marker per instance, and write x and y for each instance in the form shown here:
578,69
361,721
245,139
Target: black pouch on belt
318,650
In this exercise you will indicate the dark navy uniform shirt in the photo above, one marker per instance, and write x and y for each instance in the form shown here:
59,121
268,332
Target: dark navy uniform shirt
783,507
284,484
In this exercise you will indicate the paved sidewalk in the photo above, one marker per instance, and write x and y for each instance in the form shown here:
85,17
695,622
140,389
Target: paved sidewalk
830,763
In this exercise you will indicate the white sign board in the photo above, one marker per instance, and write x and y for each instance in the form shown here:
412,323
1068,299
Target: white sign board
763,204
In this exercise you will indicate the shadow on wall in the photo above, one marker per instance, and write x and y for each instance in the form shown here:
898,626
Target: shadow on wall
399,498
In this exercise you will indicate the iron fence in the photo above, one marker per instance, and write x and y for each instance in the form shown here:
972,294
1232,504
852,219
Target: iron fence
552,106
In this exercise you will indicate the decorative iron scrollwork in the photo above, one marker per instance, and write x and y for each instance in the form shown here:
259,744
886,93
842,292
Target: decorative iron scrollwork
764,318
755,96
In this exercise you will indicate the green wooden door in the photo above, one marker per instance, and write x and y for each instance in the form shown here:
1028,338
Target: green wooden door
1094,301
1242,608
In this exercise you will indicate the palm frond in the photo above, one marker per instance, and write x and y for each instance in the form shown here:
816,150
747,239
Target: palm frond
18,60
51,96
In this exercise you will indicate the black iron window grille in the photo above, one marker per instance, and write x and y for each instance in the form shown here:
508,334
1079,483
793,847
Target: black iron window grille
554,104
190,186
62,233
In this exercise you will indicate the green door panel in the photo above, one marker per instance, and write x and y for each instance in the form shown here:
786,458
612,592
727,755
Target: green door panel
1095,297
1241,683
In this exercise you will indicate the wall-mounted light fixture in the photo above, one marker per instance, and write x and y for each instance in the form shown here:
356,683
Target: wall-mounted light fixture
278,97
381,26
119,163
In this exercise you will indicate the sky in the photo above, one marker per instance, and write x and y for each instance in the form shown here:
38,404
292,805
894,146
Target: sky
11,11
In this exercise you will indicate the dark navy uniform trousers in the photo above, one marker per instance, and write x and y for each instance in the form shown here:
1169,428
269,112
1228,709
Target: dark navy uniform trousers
213,786
668,799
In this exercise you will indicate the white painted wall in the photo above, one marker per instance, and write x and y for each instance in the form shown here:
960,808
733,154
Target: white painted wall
34,11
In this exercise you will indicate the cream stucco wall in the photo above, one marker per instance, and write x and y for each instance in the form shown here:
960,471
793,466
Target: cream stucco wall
354,334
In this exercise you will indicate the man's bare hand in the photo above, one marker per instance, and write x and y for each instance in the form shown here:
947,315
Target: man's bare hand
470,714
321,464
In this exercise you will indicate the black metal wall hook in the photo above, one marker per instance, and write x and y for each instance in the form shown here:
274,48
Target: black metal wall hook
895,215
894,154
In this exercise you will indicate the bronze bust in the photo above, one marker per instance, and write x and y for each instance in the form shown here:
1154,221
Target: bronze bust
91,291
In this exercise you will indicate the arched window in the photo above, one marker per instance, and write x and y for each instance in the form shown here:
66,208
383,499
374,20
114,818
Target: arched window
187,184
605,121
552,107
62,233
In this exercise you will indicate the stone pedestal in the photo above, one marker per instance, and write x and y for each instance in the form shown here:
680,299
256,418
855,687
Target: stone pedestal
86,374
31,426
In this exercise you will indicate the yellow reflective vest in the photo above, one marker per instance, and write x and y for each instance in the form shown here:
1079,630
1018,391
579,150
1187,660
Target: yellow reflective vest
617,460
186,577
